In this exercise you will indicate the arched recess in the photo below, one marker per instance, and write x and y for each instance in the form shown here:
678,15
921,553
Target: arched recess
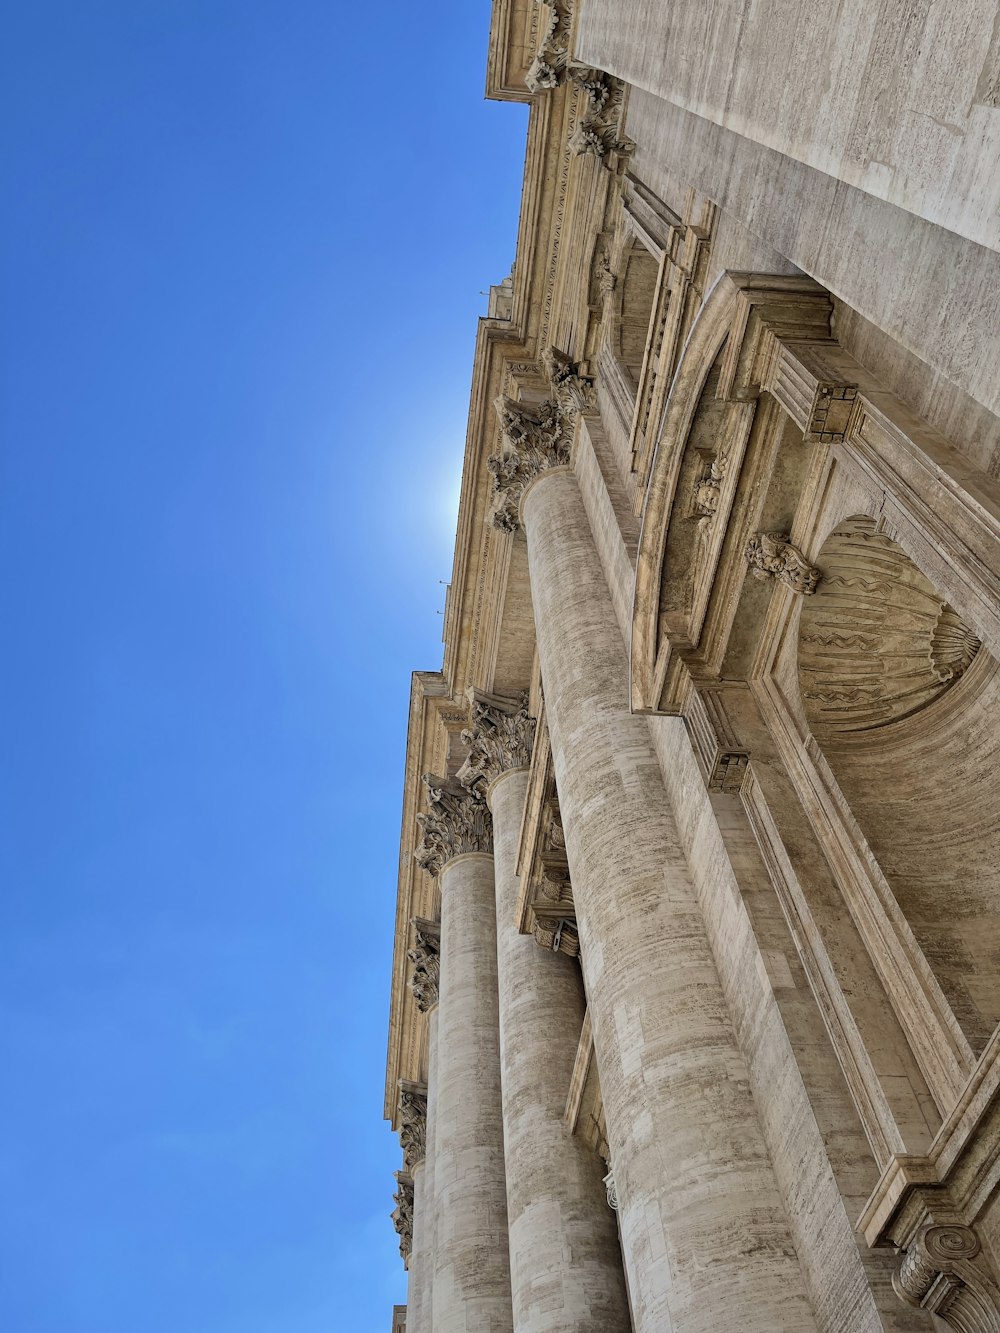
650,648
634,297
904,702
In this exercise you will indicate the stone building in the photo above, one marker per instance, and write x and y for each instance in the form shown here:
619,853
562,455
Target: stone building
696,979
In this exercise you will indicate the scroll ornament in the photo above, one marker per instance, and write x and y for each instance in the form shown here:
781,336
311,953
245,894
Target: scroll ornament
771,555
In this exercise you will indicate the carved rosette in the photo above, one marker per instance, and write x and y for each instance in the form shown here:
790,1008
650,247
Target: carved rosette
599,130
574,393
771,555
534,437
457,821
412,1122
402,1214
500,735
426,959
548,69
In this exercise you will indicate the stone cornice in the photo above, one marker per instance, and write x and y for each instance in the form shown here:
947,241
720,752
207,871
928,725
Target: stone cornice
457,821
499,736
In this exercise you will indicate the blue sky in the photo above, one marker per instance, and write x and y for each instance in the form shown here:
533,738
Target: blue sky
243,246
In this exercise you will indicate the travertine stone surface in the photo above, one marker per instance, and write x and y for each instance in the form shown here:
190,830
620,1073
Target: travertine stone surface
420,1288
471,1270
703,1229
566,1268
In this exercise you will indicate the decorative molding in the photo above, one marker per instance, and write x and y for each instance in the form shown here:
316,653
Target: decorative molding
402,1214
500,736
771,555
457,821
574,392
426,959
548,69
534,437
412,1122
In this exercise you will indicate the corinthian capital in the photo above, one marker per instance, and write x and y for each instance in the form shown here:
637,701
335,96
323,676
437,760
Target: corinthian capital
402,1214
574,392
500,735
457,821
412,1122
548,68
426,959
534,437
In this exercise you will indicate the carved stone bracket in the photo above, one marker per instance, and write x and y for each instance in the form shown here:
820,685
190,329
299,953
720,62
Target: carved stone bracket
402,1214
412,1122
557,934
534,437
456,822
548,69
599,131
500,735
771,555
574,392
426,959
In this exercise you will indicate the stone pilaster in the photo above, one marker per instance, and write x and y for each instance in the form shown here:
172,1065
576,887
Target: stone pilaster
420,1292
704,1234
566,1270
471,1277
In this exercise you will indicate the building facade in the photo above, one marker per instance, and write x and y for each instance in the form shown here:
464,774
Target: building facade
696,981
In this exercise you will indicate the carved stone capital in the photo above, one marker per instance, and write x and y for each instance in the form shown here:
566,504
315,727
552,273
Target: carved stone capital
412,1122
500,735
426,959
402,1214
573,392
599,131
771,555
534,437
548,69
457,821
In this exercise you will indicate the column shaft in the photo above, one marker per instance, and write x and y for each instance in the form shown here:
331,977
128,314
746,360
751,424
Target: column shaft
471,1264
420,1287
706,1242
566,1269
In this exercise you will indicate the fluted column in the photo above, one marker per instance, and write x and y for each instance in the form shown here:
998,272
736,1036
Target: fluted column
424,984
705,1239
565,1261
471,1288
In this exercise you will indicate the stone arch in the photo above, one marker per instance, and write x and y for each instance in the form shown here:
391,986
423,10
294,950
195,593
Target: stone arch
901,701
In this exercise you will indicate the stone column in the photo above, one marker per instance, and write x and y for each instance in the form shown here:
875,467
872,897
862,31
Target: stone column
471,1288
705,1239
424,984
565,1260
